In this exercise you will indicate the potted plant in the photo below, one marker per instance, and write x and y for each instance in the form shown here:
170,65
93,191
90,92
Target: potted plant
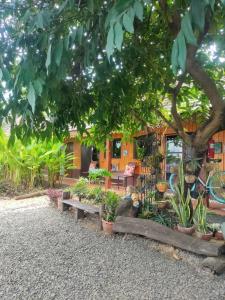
200,221
162,186
190,178
181,203
54,194
217,231
80,188
96,194
111,203
96,175
183,213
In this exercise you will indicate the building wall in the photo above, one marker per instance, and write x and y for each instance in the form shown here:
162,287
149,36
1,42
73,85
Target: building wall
129,146
163,133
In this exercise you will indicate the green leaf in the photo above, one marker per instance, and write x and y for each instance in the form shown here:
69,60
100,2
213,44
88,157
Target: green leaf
118,8
212,4
138,8
198,13
61,8
182,51
80,34
187,30
31,97
90,5
128,24
110,42
118,36
58,52
131,13
48,60
174,57
67,41
1,74
38,86
223,2
39,21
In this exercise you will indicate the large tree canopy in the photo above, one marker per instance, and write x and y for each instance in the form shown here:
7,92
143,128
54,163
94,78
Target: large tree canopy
115,65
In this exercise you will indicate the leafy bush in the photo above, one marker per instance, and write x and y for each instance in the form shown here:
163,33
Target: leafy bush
24,164
96,194
97,174
80,188
111,203
54,194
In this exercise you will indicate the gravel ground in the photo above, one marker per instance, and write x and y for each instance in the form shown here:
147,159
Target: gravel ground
45,255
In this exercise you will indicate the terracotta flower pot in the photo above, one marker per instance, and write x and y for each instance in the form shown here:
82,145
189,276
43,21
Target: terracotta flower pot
174,169
204,236
162,204
219,235
190,178
107,227
162,187
186,230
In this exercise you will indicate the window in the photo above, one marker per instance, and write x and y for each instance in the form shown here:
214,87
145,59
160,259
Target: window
144,146
69,147
116,148
174,152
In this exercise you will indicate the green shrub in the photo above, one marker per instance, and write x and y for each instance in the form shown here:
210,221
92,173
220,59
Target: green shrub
24,164
97,174
111,203
80,188
96,194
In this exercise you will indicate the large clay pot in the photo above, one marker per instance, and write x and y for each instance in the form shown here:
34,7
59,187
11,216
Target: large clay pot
186,230
204,236
162,187
219,235
190,178
107,227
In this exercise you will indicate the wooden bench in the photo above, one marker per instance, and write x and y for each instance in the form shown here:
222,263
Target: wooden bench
81,208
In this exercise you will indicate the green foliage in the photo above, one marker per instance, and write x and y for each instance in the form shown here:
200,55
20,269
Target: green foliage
57,74
181,202
96,194
96,174
24,164
81,188
111,203
200,216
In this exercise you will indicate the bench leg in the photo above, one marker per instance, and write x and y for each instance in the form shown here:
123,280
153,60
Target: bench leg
101,211
63,206
79,214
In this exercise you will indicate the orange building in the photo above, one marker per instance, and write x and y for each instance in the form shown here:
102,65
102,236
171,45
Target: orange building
123,153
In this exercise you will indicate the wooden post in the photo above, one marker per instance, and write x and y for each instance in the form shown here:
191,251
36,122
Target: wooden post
108,180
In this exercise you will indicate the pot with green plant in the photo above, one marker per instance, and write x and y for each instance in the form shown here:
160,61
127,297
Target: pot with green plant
80,189
181,203
111,203
216,228
96,194
200,221
96,175
181,207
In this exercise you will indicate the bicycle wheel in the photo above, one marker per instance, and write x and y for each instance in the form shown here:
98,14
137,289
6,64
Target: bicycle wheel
172,182
217,186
